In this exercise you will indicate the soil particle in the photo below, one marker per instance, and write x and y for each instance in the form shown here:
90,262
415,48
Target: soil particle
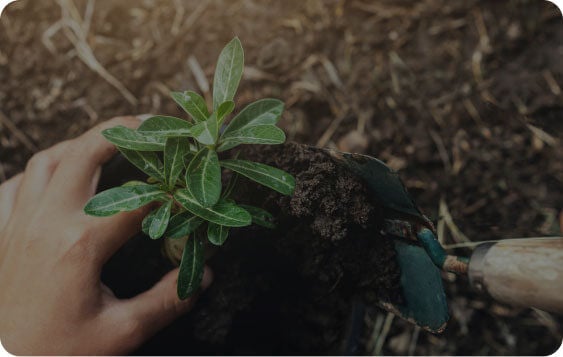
325,192
325,256
332,212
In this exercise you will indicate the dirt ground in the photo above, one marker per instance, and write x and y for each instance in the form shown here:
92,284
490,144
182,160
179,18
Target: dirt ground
463,98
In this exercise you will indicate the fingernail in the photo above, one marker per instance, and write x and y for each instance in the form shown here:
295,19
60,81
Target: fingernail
207,278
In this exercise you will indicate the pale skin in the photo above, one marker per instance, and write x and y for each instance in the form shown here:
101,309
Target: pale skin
52,301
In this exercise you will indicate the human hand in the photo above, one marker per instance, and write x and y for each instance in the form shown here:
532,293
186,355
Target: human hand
51,255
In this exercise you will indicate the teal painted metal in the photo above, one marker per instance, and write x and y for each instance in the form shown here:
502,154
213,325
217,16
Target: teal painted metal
421,282
433,248
436,252
424,297
384,184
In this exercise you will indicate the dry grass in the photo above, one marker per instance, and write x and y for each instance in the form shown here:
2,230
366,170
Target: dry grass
457,95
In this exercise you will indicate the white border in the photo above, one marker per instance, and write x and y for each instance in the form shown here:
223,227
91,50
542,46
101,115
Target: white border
3,4
3,351
558,3
559,352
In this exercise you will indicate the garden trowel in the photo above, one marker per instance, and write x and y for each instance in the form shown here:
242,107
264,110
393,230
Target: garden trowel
524,272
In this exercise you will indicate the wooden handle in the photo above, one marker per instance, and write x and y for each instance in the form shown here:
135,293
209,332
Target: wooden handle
522,272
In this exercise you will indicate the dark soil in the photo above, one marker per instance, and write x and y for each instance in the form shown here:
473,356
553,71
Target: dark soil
462,97
325,192
329,204
325,256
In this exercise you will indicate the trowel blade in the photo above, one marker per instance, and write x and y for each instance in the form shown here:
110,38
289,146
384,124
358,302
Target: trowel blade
424,300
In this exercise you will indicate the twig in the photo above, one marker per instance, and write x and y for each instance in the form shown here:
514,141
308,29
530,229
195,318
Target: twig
20,135
488,97
375,332
475,206
83,104
363,117
441,150
254,74
87,56
386,11
441,226
548,321
330,131
520,105
161,87
185,28
414,340
75,33
476,60
198,73
88,16
551,82
180,10
293,23
395,81
473,244
71,9
473,112
484,40
457,235
383,335
48,33
450,26
542,135
458,145
194,16
331,71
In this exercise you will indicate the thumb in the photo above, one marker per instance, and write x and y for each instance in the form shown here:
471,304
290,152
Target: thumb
158,307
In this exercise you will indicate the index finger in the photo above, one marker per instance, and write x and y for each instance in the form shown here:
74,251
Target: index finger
77,171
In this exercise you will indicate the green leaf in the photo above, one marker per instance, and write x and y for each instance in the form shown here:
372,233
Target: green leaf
182,224
152,223
259,134
206,132
146,161
230,185
228,72
223,213
191,267
269,176
146,225
164,126
260,216
159,220
193,104
203,177
174,152
262,112
224,109
127,138
133,183
217,234
121,199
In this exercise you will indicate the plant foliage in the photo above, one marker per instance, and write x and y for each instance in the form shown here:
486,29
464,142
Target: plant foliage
184,169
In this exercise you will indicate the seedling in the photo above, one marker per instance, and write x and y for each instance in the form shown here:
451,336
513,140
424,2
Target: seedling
180,158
